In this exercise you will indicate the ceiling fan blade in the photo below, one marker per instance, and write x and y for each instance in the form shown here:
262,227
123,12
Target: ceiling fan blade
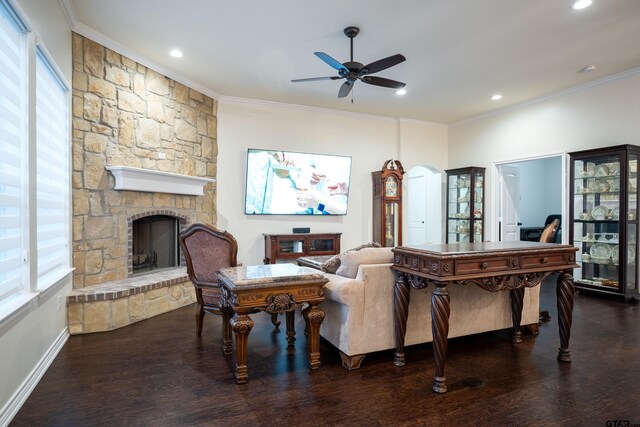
313,79
329,60
381,81
345,89
382,64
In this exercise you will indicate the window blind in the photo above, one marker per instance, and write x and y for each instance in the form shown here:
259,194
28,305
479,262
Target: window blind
52,171
12,152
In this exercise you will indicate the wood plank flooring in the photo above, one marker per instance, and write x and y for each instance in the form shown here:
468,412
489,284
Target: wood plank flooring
159,373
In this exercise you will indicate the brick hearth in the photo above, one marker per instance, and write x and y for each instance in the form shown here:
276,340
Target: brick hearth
120,303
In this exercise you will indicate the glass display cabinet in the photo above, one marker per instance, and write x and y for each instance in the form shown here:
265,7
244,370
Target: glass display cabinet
465,205
604,219
387,204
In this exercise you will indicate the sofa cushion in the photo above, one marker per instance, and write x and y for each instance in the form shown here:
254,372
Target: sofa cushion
332,264
351,260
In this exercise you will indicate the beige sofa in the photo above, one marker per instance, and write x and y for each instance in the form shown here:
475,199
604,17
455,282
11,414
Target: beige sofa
359,310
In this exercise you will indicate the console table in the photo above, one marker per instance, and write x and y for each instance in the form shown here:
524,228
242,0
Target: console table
291,246
494,266
275,289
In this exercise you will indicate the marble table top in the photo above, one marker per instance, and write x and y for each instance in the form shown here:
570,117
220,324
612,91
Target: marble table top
268,276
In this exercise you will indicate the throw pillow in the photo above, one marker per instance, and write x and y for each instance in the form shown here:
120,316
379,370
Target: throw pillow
351,260
332,264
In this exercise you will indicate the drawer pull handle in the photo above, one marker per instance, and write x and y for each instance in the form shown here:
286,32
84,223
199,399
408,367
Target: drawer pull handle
545,260
484,265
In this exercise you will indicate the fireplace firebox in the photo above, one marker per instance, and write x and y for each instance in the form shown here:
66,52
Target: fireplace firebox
155,243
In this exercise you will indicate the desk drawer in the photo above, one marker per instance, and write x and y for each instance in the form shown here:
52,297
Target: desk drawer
542,260
482,265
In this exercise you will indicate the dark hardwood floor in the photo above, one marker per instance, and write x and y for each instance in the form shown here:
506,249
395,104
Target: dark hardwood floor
158,373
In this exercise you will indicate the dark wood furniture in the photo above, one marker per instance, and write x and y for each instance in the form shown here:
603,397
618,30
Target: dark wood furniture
387,204
275,289
603,223
465,205
494,266
291,246
206,250
313,261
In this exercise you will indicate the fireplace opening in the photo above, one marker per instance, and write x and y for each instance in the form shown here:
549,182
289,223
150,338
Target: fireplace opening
155,243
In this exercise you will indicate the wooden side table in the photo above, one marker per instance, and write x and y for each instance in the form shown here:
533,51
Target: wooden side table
275,288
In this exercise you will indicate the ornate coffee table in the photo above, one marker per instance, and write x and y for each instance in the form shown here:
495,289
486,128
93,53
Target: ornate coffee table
274,288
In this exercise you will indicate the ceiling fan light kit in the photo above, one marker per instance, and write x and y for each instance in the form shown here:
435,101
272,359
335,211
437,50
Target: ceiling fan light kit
353,71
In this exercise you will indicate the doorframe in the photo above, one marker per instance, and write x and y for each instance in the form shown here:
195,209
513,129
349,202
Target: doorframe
495,190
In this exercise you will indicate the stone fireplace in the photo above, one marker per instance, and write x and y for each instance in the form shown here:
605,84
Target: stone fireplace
126,115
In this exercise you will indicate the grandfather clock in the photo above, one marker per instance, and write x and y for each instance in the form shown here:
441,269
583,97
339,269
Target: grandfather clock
387,204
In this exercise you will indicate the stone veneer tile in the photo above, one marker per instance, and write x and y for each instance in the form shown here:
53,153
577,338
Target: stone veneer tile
120,312
97,316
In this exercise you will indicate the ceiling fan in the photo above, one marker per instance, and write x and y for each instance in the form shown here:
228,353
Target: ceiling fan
353,71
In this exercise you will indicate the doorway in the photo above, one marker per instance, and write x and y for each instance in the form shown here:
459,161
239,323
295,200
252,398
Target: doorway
424,206
526,192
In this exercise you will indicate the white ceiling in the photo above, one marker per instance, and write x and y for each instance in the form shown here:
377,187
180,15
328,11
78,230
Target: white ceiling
459,52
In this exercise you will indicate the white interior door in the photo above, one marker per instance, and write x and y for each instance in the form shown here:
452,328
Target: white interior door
509,203
424,206
417,208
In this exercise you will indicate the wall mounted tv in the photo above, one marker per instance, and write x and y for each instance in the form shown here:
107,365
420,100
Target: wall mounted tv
289,183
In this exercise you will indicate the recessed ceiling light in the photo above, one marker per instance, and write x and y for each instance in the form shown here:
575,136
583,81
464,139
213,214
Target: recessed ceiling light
401,91
176,53
581,4
496,97
587,69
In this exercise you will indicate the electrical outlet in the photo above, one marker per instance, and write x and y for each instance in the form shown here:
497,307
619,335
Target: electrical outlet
161,155
59,302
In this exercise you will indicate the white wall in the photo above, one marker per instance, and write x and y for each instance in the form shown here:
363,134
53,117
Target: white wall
30,339
369,140
600,115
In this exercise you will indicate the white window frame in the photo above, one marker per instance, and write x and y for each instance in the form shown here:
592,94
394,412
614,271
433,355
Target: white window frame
21,297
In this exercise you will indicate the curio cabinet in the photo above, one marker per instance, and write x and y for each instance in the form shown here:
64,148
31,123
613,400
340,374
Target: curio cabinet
604,219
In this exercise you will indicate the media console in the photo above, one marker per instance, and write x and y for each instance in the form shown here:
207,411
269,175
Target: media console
291,246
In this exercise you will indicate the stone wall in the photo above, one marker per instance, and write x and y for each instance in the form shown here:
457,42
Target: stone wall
125,114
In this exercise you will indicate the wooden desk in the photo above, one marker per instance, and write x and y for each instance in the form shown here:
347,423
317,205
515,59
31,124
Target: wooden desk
277,288
494,266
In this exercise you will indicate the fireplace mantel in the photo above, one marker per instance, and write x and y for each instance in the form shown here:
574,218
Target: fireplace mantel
154,181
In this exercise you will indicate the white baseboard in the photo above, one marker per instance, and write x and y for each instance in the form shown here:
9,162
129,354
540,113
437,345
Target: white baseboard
29,384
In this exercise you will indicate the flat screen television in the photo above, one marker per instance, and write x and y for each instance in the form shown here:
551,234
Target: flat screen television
290,183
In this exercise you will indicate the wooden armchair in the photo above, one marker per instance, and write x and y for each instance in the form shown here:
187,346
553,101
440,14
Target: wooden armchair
207,250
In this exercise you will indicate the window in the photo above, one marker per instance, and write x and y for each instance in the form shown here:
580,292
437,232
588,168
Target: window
52,166
12,151
40,158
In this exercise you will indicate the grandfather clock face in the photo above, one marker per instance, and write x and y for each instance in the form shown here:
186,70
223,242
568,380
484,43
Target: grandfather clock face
391,187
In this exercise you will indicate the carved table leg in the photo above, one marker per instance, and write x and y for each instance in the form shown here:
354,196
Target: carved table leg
227,339
305,316
274,320
517,298
242,325
400,314
291,328
564,292
315,315
440,309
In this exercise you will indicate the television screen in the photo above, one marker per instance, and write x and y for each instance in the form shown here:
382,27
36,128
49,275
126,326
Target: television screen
287,183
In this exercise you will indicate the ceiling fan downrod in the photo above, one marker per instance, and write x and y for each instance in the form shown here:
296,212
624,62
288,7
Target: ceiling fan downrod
351,32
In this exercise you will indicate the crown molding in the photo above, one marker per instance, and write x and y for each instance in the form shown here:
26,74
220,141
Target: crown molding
549,96
109,43
239,100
